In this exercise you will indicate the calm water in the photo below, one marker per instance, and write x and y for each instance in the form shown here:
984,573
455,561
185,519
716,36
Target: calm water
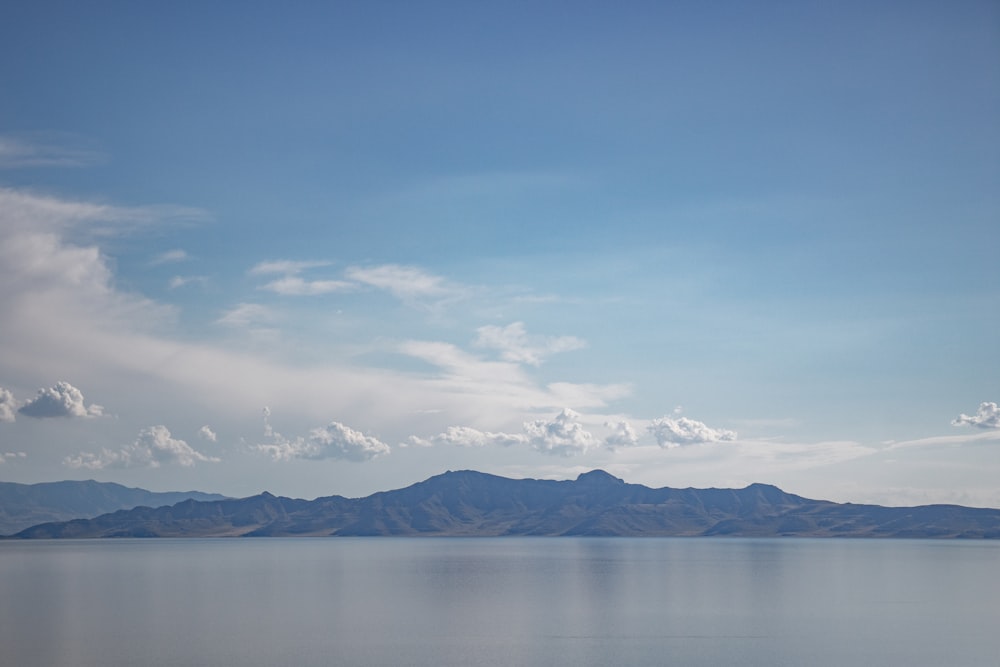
509,601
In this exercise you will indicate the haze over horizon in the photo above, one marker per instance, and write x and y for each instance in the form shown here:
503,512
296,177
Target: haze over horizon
338,248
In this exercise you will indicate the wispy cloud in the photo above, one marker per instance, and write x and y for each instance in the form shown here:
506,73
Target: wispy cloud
989,434
409,284
286,266
170,257
183,281
514,343
26,212
291,283
296,286
245,315
47,149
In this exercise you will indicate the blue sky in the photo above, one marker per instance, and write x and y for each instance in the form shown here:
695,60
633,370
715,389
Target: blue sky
326,248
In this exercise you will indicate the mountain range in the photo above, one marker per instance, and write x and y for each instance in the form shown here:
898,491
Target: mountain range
25,505
469,503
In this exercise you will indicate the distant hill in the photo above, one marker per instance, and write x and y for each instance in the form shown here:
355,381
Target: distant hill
469,503
25,505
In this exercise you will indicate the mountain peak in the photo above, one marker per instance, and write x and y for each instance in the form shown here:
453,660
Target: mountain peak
598,476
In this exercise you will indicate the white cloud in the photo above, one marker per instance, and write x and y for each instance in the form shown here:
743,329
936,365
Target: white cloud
12,456
46,149
987,435
406,283
987,416
683,431
170,257
466,436
62,400
292,284
8,406
467,377
181,281
514,343
563,435
246,315
65,316
285,266
23,212
296,286
622,435
333,441
206,433
154,447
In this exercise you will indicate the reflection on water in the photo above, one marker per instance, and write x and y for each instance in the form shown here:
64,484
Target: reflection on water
547,601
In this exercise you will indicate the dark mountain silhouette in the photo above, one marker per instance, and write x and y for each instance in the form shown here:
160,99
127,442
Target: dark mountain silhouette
25,505
469,503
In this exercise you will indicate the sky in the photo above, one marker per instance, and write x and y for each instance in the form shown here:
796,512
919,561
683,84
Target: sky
325,248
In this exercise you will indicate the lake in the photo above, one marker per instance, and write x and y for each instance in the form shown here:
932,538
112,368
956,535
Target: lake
499,601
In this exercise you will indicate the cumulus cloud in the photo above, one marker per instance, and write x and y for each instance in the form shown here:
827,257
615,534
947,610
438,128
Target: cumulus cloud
154,447
564,435
12,456
207,433
622,435
683,431
465,436
8,406
333,441
62,400
987,416
514,343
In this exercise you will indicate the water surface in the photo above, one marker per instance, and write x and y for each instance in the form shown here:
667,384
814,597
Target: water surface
499,601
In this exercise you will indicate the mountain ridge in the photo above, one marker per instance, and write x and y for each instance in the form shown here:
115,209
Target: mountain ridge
472,503
26,505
